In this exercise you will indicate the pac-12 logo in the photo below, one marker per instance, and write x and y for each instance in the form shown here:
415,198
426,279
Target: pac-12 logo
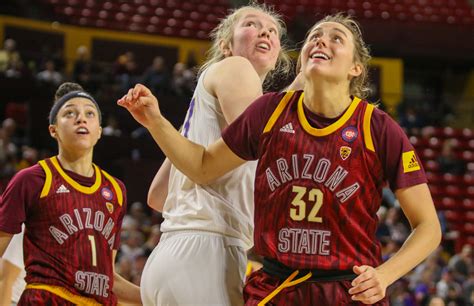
106,193
344,152
350,133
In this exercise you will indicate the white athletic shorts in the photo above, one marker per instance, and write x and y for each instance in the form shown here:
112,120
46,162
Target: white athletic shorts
194,268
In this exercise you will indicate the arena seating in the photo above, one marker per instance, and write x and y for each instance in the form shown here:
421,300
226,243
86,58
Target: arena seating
194,19
452,194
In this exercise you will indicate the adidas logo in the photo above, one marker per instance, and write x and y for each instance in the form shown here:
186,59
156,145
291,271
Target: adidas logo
288,128
62,189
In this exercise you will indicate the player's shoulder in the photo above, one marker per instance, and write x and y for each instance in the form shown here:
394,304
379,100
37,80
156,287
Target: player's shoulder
229,67
34,171
382,123
114,179
272,99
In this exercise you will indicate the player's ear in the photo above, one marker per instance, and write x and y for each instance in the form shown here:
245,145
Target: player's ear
53,131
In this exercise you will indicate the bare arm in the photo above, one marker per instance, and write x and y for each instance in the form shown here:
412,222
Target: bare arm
198,163
235,84
4,241
159,187
417,204
125,291
8,275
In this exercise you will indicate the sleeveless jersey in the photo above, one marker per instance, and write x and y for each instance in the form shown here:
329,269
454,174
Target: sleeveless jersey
226,205
319,189
70,235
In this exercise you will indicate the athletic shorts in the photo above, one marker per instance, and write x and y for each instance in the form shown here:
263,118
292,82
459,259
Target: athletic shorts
319,293
41,297
194,268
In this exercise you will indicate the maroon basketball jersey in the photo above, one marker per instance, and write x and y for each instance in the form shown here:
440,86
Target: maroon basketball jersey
71,233
319,189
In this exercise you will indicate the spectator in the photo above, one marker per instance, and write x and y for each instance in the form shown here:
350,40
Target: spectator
454,297
153,238
8,55
112,127
446,283
436,301
84,71
461,263
157,77
50,75
183,81
468,288
448,162
411,121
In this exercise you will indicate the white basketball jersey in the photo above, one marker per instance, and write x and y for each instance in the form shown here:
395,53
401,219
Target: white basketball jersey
226,205
14,254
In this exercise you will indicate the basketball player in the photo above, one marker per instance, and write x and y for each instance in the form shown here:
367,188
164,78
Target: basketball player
12,272
323,156
201,258
72,211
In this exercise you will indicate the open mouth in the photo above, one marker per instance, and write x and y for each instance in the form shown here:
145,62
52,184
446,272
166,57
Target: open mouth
82,131
319,55
263,46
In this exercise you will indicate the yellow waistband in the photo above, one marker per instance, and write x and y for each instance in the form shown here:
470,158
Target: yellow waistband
65,294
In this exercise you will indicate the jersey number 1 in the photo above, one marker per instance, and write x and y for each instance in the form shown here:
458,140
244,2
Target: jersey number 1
298,209
94,252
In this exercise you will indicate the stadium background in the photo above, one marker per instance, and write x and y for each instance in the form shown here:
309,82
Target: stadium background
422,74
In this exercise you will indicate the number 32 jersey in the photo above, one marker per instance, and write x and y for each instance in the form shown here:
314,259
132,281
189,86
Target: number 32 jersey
317,189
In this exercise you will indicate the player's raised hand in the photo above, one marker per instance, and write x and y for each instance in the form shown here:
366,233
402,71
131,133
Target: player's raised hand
142,104
369,286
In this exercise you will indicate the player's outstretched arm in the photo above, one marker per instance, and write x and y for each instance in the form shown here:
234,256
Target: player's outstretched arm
198,163
371,283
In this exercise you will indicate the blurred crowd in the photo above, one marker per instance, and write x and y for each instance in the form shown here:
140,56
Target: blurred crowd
445,278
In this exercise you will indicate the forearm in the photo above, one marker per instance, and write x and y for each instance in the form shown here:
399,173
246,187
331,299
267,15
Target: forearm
8,275
202,165
125,291
4,241
421,242
6,292
6,296
159,187
185,155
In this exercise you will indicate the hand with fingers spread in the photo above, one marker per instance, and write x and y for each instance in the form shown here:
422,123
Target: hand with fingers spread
369,286
142,104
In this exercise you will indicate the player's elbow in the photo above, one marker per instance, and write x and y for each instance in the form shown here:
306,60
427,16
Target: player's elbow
156,202
437,233
200,179
203,177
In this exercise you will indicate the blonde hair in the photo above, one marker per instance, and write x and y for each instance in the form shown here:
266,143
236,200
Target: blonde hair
224,31
359,85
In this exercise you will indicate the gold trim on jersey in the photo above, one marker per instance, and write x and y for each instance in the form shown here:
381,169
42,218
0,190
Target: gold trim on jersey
278,110
73,183
330,128
366,126
118,190
47,180
289,282
65,294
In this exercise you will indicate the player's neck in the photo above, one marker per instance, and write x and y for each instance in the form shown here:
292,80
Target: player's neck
80,164
326,100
